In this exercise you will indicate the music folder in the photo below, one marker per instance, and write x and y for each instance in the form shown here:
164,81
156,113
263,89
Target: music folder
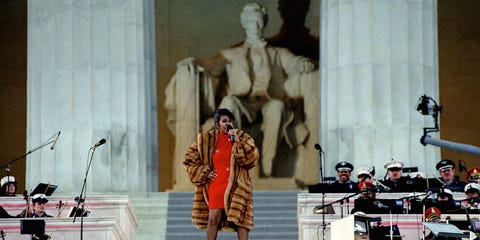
32,226
45,188
445,230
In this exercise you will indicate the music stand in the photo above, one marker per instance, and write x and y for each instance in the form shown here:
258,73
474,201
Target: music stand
45,188
77,212
327,209
32,226
445,230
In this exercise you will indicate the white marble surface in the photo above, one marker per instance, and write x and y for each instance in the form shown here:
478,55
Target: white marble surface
91,75
112,215
377,59
63,228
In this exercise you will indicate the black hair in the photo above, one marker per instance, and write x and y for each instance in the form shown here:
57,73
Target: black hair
222,112
3,189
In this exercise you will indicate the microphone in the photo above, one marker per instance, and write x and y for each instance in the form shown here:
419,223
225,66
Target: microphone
232,137
372,171
99,143
382,185
462,167
380,205
55,141
318,147
370,190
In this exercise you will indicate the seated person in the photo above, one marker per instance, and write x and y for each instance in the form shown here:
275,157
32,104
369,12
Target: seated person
344,183
39,202
8,186
432,214
472,192
473,175
395,182
367,192
368,203
447,179
442,200
446,203
364,174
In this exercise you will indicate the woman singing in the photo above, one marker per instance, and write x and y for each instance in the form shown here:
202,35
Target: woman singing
217,163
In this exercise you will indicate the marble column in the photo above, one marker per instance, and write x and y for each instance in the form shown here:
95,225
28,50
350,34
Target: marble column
377,58
91,75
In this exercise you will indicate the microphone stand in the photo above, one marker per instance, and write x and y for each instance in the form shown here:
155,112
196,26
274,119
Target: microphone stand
387,189
470,224
391,224
319,148
81,199
428,194
8,165
339,200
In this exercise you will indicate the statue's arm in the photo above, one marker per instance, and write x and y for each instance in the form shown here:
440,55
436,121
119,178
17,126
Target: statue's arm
294,64
214,66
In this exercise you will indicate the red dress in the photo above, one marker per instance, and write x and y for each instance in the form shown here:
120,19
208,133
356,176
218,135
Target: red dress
221,163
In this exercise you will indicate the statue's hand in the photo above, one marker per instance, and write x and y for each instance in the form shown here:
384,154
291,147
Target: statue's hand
186,62
307,66
187,65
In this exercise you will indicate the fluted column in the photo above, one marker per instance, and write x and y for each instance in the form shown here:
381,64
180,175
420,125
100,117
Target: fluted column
91,75
377,59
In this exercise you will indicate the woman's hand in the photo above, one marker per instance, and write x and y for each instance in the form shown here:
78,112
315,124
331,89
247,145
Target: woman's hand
212,175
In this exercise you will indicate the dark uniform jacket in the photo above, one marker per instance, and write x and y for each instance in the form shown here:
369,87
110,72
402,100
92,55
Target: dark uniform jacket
403,184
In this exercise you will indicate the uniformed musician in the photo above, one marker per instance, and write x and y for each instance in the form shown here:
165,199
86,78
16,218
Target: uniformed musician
394,179
446,169
344,182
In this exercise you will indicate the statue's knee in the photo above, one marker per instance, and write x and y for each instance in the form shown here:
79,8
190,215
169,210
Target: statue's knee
228,102
275,107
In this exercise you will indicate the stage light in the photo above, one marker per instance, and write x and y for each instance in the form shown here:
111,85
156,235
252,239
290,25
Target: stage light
426,108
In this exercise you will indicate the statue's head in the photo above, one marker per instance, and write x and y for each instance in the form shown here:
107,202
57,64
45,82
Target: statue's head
254,18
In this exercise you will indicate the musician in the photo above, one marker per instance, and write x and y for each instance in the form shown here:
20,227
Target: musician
39,202
367,196
394,179
446,169
344,171
473,175
472,192
432,214
8,186
446,203
364,174
367,190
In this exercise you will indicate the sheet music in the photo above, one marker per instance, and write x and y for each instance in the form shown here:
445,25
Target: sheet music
437,228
